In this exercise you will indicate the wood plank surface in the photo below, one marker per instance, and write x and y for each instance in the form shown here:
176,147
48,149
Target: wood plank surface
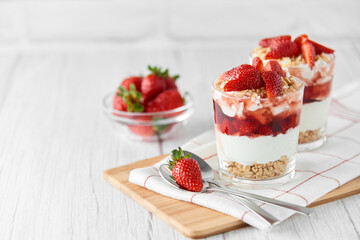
192,220
55,142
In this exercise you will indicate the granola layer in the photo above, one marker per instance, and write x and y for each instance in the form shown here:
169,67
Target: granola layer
259,171
309,136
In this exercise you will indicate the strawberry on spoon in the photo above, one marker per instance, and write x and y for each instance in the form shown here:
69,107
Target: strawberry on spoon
186,171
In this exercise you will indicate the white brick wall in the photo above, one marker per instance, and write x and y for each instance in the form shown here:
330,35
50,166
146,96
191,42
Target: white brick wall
74,21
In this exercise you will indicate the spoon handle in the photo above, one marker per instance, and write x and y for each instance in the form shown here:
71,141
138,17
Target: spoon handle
261,213
271,201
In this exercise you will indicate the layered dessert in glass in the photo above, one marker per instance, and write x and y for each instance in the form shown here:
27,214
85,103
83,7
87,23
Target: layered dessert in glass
313,63
257,114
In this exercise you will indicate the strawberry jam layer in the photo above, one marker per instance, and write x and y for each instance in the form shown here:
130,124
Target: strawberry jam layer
257,123
318,81
254,117
317,92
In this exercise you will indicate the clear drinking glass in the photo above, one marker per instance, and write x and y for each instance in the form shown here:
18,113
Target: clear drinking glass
316,103
257,138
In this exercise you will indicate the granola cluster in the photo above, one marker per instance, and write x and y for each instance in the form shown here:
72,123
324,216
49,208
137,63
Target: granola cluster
259,171
309,136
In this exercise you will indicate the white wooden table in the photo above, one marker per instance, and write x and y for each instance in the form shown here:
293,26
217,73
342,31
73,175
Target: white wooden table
55,143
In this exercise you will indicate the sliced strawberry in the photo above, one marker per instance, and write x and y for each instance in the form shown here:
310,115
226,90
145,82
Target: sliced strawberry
132,80
285,49
300,39
265,130
274,41
244,127
289,122
234,74
258,64
170,99
226,127
285,125
293,120
320,48
273,84
275,67
308,52
244,79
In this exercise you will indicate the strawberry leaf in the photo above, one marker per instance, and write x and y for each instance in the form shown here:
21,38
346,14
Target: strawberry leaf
177,155
132,98
162,74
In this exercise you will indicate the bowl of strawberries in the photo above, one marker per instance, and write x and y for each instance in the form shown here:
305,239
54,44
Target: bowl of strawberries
148,108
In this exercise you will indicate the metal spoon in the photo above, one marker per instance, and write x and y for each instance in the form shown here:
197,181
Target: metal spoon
269,219
208,175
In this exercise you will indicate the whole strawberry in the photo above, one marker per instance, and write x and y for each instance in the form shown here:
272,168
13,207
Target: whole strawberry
186,171
136,80
119,104
170,99
156,82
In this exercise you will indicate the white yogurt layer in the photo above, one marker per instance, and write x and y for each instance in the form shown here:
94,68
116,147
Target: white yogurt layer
263,149
314,115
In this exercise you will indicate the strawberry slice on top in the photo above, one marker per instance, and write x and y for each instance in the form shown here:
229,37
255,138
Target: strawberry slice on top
241,78
310,49
320,48
285,49
185,170
273,83
275,67
282,46
307,50
258,64
274,41
247,77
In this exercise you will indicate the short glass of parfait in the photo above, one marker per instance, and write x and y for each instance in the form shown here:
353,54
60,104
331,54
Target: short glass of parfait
316,104
314,64
256,137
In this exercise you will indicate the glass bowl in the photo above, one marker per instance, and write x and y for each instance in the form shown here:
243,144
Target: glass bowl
147,126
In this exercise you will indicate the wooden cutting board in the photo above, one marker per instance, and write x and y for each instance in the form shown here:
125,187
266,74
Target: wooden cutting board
192,220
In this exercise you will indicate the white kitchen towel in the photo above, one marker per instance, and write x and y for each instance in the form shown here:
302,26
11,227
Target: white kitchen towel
317,172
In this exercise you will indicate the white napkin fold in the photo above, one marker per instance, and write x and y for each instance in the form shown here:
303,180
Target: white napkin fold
317,172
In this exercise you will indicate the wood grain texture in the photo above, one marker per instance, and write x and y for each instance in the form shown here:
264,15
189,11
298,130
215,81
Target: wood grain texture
55,142
190,219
